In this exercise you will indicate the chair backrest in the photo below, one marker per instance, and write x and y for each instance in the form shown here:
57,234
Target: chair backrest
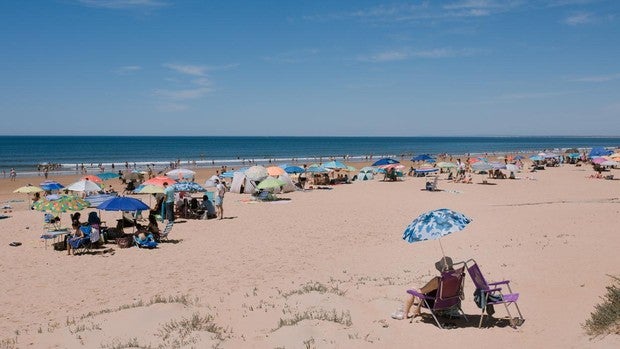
477,277
450,288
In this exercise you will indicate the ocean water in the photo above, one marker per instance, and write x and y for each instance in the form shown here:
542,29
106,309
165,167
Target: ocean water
24,152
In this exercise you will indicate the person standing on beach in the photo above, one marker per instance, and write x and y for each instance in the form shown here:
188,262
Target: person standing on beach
12,174
220,191
169,202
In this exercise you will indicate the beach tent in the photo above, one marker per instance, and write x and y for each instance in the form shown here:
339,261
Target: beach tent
242,184
365,176
288,186
599,151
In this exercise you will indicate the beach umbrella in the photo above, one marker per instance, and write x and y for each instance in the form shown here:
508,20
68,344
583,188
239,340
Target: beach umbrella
444,164
536,158
64,203
270,183
256,173
512,168
188,186
123,203
317,169
385,161
519,157
92,178
598,160
367,169
571,150
336,165
228,174
350,169
275,171
481,166
28,189
609,163
107,175
84,185
51,185
149,189
159,181
180,173
294,169
423,157
498,165
473,160
435,224
394,166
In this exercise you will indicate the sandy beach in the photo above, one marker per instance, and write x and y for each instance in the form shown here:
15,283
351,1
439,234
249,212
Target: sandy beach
324,269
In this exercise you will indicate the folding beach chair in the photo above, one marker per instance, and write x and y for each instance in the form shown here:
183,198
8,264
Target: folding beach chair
447,297
88,241
164,234
490,294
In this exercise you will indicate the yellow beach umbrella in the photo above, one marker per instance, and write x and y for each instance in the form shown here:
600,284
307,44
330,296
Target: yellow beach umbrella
28,189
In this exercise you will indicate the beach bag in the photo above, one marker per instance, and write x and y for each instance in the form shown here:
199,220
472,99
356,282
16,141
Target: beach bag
125,241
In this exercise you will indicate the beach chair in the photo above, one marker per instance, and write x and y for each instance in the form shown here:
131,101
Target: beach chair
164,234
490,294
88,241
447,298
432,186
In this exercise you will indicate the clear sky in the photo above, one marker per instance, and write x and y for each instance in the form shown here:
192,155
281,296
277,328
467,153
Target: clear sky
348,68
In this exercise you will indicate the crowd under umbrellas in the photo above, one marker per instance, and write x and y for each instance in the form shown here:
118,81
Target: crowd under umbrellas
286,177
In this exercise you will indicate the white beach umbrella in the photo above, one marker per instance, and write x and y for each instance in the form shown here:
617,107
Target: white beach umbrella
180,173
84,185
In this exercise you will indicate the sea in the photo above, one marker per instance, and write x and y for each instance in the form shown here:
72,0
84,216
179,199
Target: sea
26,153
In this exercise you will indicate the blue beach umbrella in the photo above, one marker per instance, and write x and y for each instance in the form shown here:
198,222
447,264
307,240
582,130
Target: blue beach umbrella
317,169
294,169
385,161
123,203
188,186
51,185
435,224
335,165
423,157
107,175
536,158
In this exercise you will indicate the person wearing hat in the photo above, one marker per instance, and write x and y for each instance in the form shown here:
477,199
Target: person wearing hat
444,264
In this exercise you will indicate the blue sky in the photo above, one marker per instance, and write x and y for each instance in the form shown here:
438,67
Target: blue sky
347,68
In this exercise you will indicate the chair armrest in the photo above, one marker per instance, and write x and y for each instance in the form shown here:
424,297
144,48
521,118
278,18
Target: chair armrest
504,282
419,295
491,290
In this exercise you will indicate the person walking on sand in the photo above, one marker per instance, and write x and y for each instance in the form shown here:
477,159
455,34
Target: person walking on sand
169,202
220,191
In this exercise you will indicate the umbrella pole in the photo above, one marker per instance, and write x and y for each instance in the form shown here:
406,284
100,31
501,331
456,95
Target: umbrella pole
442,252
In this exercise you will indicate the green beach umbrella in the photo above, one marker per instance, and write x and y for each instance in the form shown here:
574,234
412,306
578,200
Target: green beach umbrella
270,183
444,164
64,203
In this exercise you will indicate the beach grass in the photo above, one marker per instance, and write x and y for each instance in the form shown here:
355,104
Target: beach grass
179,333
343,318
605,319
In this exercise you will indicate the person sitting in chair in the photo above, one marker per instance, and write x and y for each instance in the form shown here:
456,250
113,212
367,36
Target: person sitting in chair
444,264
